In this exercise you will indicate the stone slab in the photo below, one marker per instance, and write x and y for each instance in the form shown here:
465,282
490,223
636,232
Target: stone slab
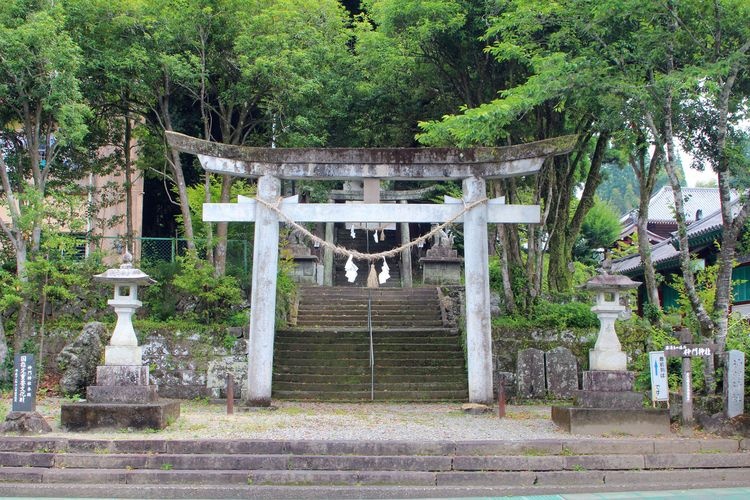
697,461
29,444
562,372
85,476
368,448
609,399
19,459
21,475
200,477
86,416
137,394
685,477
609,446
225,446
604,462
208,461
530,374
101,461
482,478
432,463
608,380
598,421
297,477
508,463
537,447
564,478
122,375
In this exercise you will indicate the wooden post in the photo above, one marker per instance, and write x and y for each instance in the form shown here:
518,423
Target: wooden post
687,381
230,394
501,397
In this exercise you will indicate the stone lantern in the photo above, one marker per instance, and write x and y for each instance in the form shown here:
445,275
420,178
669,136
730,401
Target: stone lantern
123,349
122,396
607,403
607,352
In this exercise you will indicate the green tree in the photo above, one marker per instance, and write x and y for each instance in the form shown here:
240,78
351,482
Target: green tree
42,118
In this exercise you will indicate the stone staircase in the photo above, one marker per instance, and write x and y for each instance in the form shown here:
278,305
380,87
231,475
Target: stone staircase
365,243
242,468
327,355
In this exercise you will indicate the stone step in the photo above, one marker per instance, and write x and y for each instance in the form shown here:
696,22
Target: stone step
342,334
379,396
375,322
404,385
379,347
237,461
363,369
365,354
574,446
364,378
381,361
320,291
379,341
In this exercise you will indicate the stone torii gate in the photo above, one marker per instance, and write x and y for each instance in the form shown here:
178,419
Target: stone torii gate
269,165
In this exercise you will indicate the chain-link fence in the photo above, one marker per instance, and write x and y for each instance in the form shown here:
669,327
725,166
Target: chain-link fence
157,250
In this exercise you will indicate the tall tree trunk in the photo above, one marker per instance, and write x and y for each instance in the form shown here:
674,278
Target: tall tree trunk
175,164
510,299
646,181
222,229
128,184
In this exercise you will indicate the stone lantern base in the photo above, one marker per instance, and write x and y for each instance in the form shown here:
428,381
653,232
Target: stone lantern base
121,398
608,405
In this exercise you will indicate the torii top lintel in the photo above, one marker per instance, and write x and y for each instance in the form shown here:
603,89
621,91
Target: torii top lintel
383,163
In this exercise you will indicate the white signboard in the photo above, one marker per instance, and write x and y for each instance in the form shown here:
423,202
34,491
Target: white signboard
659,387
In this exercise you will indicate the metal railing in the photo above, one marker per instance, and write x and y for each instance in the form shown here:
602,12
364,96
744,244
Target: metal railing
372,346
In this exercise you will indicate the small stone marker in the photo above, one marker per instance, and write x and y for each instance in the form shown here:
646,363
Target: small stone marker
734,384
24,383
23,417
530,374
562,373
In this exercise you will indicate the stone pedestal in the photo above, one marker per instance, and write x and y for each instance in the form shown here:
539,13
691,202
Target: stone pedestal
304,271
122,398
608,405
441,265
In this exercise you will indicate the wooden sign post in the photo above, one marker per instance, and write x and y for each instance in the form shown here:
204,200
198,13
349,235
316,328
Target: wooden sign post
687,351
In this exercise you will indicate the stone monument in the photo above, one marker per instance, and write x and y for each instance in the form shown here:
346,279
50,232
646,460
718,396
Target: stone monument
23,417
607,403
441,265
122,396
305,263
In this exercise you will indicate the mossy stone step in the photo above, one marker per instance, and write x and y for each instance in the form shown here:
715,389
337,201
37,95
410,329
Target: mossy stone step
379,395
363,386
364,378
457,371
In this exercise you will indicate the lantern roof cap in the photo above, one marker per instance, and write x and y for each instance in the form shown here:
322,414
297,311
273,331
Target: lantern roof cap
610,282
125,274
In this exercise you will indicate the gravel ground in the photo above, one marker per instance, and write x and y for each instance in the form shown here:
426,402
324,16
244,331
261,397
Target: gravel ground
336,421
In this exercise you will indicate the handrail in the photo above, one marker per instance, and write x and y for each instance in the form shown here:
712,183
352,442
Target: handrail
372,347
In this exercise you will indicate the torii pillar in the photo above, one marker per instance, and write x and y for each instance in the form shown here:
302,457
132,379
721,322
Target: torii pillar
477,283
270,165
263,294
